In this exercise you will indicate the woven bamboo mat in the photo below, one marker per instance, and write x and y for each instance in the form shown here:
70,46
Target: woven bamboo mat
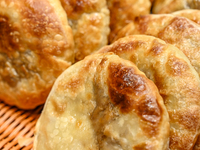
17,127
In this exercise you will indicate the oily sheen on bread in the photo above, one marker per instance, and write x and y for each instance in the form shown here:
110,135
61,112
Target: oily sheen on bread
123,12
176,79
103,102
89,20
36,45
192,14
178,31
168,6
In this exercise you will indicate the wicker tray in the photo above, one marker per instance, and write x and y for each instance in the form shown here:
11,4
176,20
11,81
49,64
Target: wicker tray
17,127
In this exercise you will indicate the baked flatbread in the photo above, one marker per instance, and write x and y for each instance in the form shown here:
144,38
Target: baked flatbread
192,14
89,20
168,6
176,79
103,102
178,31
123,12
36,45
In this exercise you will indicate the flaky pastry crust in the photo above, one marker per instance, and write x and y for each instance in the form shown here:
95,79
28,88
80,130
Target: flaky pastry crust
123,12
103,102
89,20
192,14
168,6
36,45
178,31
176,79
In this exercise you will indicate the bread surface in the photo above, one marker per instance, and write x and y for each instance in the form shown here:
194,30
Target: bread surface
178,31
36,45
123,12
176,79
89,20
103,102
168,6
192,14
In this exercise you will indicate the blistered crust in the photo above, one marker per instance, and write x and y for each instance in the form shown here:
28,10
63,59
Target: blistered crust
179,31
36,45
89,20
109,101
192,14
124,89
168,6
122,12
176,79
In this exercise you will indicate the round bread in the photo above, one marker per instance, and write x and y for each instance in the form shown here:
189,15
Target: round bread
36,45
168,6
123,12
103,102
89,20
178,31
176,79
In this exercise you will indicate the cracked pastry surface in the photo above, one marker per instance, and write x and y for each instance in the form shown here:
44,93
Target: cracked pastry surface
123,12
36,45
176,79
192,14
178,31
103,102
89,20
168,6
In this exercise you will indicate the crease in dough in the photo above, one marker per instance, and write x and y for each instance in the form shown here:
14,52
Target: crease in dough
176,79
178,31
103,102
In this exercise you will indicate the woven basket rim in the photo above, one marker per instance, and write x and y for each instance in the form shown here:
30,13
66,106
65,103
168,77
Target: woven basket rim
17,127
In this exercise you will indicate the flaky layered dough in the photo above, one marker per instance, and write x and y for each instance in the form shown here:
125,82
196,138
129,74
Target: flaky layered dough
168,6
36,45
191,14
179,31
176,79
123,12
89,20
103,102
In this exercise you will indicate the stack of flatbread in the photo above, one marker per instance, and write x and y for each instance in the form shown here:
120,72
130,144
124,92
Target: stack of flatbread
113,75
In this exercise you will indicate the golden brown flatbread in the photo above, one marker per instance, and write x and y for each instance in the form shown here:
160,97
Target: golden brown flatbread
168,6
178,31
123,12
89,20
103,102
176,79
192,14
36,45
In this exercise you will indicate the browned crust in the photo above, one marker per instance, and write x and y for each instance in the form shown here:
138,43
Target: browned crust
179,31
123,12
176,79
192,14
90,23
118,90
36,45
169,6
